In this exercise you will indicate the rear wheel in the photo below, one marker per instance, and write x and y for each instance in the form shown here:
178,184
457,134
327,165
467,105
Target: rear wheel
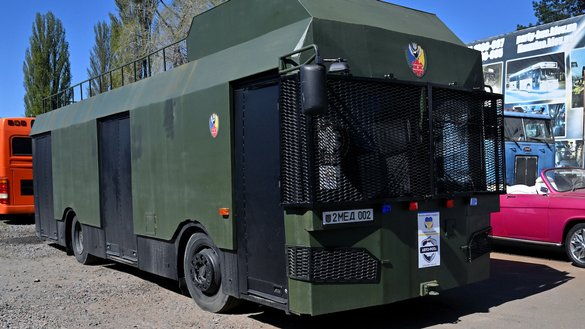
575,244
202,271
78,243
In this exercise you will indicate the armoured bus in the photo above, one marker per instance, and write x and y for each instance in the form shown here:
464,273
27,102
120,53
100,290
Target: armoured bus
312,156
16,177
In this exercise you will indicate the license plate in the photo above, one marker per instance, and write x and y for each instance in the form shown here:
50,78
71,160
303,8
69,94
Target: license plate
348,216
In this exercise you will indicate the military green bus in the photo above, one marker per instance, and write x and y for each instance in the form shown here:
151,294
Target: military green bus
314,156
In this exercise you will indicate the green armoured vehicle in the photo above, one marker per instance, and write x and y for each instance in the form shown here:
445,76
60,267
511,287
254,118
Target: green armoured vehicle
312,155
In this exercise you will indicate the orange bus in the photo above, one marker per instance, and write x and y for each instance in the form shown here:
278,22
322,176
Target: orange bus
16,177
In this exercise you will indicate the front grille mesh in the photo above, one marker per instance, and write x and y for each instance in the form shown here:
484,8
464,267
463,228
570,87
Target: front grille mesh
344,265
383,139
468,151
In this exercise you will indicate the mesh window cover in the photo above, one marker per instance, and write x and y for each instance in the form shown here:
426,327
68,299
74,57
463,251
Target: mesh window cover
384,139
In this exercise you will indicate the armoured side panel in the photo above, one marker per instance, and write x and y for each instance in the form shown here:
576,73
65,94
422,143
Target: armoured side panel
116,187
383,15
214,31
75,172
180,170
370,54
46,224
259,216
392,239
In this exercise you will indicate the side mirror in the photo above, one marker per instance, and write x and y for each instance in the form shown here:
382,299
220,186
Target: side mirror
313,89
544,189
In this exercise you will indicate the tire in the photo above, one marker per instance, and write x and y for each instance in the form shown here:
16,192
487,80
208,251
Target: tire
202,270
79,244
575,244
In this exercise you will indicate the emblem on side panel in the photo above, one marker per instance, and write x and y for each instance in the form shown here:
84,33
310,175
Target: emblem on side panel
416,58
214,125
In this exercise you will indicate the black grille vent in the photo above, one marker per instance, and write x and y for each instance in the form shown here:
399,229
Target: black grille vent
381,139
293,139
348,265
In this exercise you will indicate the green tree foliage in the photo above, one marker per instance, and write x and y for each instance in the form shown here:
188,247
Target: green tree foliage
46,66
548,11
100,60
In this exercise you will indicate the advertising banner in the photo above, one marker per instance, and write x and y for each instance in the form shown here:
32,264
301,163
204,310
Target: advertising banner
539,70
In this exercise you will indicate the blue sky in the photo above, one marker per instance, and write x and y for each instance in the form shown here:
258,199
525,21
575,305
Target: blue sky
470,19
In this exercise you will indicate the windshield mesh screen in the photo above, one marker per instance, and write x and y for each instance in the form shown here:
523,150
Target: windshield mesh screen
381,139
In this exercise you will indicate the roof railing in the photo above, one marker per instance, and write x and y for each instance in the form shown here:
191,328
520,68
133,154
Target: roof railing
161,60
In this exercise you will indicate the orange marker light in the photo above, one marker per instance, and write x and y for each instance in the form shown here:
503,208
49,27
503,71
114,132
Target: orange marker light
225,212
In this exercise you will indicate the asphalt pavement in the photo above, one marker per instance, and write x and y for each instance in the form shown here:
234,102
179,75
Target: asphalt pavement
536,288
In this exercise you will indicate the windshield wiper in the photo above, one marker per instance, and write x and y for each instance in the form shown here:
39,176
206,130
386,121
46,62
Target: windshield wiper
513,140
540,139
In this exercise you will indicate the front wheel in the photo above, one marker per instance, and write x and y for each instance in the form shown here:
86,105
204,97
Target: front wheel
79,244
575,244
203,275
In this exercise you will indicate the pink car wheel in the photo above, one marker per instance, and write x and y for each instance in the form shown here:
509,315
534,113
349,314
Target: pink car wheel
575,245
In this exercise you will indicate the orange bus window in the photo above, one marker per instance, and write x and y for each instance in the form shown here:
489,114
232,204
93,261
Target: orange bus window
21,146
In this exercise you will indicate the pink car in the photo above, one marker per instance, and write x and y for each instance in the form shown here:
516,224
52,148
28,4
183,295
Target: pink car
550,213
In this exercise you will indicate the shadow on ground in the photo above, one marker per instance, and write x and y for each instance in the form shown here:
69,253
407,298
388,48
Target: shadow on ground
510,280
531,250
17,219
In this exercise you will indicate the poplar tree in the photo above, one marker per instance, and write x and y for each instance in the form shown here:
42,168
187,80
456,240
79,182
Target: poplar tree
46,65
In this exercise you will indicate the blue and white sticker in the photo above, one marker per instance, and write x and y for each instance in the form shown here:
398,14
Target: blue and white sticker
429,239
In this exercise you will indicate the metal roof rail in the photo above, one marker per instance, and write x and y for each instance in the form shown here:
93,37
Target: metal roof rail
141,68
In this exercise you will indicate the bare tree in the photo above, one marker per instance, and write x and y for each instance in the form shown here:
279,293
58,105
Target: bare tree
174,21
136,30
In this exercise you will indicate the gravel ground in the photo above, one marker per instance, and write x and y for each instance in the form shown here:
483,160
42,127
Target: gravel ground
42,287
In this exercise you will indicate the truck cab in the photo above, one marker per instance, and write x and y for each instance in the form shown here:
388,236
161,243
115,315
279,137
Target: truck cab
529,146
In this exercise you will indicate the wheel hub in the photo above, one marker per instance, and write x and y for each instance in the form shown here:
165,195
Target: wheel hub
578,245
203,271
